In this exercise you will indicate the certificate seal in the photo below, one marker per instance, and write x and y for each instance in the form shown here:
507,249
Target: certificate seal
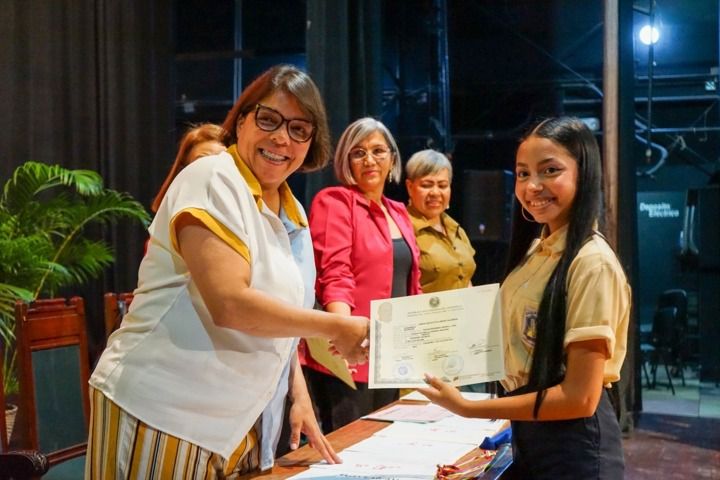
453,364
385,312
403,370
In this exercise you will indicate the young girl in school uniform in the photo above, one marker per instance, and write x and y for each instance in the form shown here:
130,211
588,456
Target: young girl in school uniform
566,305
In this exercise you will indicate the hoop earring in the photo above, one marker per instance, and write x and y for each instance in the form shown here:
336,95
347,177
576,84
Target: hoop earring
522,212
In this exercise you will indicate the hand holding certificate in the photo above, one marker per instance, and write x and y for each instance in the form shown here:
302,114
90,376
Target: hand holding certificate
455,335
320,351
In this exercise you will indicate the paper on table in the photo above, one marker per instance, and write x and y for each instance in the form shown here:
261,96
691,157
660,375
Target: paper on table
323,474
491,426
387,464
411,449
419,397
410,413
319,349
446,430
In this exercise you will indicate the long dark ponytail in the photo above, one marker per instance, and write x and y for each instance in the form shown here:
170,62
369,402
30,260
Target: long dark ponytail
548,357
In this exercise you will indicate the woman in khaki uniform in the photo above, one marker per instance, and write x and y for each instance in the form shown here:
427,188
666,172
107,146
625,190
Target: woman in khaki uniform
446,255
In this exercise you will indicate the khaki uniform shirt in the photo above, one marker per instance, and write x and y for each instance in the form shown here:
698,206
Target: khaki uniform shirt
446,260
598,303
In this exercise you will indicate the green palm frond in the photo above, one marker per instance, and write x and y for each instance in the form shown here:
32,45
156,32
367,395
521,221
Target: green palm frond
24,259
44,240
32,178
8,295
49,215
52,277
85,260
106,208
10,384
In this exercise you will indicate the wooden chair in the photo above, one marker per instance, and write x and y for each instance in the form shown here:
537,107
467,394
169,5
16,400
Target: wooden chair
116,306
22,464
53,372
17,463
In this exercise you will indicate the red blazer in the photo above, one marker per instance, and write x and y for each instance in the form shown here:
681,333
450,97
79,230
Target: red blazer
354,252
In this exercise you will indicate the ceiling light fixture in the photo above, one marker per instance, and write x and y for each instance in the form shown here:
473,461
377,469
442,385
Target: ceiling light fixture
649,35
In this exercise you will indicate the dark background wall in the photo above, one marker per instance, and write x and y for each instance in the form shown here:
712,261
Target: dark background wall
112,85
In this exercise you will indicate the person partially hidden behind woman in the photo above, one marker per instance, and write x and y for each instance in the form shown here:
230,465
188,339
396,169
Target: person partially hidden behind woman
364,250
446,255
198,141
192,385
566,306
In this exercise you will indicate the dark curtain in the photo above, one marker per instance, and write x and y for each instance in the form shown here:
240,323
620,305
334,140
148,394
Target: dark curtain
344,57
88,84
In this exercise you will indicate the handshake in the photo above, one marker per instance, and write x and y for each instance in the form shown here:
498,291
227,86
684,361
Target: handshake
350,340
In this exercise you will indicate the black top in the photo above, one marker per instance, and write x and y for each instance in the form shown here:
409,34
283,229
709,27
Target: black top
402,263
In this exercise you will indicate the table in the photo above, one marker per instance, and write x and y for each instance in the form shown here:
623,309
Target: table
299,460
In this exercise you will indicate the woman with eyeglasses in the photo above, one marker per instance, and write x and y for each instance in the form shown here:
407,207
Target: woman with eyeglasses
193,383
364,250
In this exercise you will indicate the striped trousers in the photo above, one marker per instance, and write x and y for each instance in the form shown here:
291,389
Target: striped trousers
122,447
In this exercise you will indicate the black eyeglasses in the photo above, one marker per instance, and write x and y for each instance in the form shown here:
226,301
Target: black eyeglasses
270,120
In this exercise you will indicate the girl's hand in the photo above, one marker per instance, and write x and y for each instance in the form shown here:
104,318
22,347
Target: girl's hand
443,394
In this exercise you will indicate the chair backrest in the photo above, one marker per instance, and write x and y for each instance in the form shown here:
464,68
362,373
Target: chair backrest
53,373
4,440
664,333
116,306
677,298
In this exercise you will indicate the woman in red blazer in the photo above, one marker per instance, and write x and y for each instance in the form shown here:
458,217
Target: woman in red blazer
364,250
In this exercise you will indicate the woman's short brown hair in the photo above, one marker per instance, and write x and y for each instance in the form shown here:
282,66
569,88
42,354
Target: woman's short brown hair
291,80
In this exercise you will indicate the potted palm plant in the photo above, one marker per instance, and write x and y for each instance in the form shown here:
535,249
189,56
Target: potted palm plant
45,243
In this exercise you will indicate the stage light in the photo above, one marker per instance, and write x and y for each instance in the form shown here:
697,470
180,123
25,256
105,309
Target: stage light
593,123
649,35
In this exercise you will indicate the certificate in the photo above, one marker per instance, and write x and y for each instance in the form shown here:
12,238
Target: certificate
455,335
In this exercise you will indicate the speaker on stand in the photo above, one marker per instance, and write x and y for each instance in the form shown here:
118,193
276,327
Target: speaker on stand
487,204
487,200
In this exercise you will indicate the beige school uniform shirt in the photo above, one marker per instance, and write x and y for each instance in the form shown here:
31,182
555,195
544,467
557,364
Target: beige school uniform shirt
168,364
598,304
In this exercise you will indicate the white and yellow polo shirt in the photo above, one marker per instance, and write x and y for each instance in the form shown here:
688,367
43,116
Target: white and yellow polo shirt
168,364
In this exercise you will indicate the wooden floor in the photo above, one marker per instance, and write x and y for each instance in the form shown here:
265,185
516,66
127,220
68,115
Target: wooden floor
678,433
673,447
